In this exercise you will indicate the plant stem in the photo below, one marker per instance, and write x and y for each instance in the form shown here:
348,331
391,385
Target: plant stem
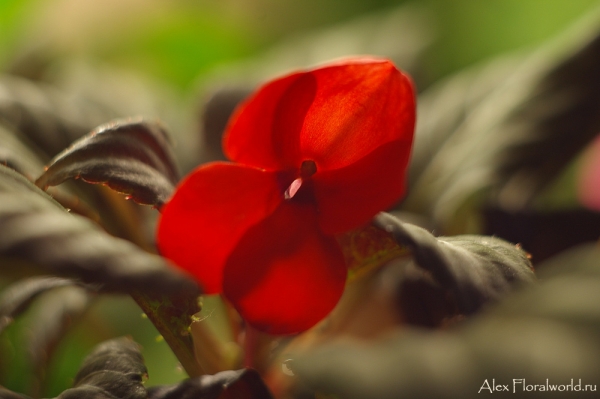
171,315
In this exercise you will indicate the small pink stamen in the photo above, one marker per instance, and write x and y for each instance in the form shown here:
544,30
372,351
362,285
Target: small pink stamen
293,189
307,169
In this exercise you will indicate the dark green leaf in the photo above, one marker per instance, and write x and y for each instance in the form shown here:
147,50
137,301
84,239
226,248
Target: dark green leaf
20,153
130,156
545,332
115,369
475,269
37,230
240,384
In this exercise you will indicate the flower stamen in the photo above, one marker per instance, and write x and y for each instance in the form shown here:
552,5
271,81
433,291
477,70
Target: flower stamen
293,189
307,169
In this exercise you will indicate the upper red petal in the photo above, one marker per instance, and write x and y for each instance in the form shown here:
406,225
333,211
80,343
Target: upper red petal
264,131
333,115
284,275
211,209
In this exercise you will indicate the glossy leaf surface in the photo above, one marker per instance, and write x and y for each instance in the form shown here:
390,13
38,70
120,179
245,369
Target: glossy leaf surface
477,270
39,231
130,156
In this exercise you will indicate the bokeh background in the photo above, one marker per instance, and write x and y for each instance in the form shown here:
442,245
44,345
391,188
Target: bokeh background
160,58
178,41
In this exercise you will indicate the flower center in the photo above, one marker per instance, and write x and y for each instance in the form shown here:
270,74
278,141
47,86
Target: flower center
307,169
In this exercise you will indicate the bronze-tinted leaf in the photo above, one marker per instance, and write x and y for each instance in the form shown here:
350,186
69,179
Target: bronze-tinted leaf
560,116
547,333
501,133
475,269
17,154
130,156
51,320
114,369
47,117
64,301
6,394
20,153
239,384
544,234
17,297
37,230
216,111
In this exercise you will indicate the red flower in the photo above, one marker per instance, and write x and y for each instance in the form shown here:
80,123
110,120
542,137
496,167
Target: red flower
316,153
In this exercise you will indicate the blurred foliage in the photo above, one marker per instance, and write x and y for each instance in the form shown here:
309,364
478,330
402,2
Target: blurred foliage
181,42
471,30
109,317
178,40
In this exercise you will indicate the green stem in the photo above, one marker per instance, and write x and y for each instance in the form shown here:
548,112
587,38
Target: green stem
171,315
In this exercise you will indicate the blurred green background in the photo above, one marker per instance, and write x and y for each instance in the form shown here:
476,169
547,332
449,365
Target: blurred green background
180,42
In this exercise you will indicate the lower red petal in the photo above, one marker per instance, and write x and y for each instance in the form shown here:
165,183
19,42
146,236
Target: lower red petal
284,275
209,212
349,197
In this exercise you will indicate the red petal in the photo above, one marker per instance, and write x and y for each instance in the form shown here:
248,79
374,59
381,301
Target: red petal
333,115
284,275
349,197
264,131
209,212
